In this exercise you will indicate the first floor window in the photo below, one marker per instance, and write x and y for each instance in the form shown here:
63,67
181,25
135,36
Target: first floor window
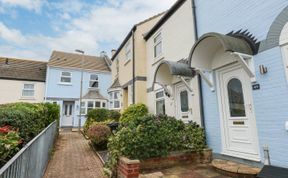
65,77
93,83
157,45
28,90
160,102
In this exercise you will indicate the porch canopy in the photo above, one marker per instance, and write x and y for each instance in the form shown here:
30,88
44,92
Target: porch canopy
168,72
214,50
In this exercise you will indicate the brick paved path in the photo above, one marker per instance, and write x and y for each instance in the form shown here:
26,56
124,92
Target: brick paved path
73,158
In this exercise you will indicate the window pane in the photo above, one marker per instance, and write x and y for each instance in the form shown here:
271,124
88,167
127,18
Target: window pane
159,94
157,38
184,101
97,104
93,77
67,74
29,86
28,93
116,95
82,104
116,104
103,105
158,49
65,79
90,104
93,84
236,98
70,110
160,107
66,110
83,110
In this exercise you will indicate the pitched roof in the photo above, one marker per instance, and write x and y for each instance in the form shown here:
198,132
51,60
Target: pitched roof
164,18
73,60
94,94
116,84
130,33
19,69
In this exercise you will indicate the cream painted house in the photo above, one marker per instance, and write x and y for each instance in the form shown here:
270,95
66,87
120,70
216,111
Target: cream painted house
22,80
129,67
170,86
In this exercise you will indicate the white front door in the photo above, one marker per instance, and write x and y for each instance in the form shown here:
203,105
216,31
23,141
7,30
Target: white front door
67,114
183,103
239,131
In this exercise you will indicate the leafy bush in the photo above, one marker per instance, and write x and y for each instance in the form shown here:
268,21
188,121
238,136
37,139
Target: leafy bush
29,119
114,115
9,144
102,115
154,136
99,134
133,112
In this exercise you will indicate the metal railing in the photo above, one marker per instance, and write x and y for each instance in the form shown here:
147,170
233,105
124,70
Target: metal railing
32,159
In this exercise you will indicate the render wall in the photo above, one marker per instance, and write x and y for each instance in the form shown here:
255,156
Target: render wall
11,91
271,101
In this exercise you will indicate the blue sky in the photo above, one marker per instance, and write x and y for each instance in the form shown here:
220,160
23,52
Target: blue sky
31,29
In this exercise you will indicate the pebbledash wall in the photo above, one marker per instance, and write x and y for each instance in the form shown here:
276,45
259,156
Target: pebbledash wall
271,101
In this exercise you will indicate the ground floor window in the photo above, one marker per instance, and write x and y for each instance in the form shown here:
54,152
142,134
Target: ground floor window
86,106
28,90
160,102
114,99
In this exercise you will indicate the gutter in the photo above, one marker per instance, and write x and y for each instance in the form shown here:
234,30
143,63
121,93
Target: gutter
133,65
199,78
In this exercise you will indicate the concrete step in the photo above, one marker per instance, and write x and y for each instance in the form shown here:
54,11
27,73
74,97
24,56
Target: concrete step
234,169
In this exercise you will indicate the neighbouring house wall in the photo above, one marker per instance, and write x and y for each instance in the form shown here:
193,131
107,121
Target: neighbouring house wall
11,91
177,40
271,101
57,90
125,74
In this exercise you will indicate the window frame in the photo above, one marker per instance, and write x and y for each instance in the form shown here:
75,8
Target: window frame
70,77
97,80
28,89
161,98
85,106
156,43
112,99
128,51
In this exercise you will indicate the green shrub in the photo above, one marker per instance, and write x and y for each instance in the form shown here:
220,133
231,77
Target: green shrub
29,119
102,115
9,144
99,134
133,112
114,115
154,136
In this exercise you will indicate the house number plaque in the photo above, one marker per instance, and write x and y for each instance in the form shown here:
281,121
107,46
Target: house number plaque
256,86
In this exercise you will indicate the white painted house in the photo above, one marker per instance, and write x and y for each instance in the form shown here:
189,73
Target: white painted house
168,45
22,80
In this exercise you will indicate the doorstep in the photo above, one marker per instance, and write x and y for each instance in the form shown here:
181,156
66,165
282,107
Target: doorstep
235,169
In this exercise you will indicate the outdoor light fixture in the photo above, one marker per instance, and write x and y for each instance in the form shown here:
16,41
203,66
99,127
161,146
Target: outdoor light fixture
263,69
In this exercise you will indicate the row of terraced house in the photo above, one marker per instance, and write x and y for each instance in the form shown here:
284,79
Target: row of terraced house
222,64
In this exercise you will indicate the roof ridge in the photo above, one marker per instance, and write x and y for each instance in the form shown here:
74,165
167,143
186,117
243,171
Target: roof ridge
150,18
73,53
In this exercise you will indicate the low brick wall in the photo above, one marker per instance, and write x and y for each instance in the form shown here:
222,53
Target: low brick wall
130,168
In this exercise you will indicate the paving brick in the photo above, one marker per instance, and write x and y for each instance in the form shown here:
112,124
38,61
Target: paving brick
73,158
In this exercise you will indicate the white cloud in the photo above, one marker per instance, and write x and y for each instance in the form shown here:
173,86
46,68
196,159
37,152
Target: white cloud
34,5
94,25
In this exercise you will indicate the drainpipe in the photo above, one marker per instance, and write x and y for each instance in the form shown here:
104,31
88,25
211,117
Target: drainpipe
199,77
133,64
266,155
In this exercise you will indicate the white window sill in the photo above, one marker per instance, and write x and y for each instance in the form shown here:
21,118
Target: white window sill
127,61
157,59
67,84
27,98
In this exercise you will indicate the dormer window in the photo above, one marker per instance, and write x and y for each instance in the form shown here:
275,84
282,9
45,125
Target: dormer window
157,45
93,83
66,77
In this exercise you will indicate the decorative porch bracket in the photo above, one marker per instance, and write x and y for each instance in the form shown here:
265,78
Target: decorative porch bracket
186,84
207,76
166,90
246,61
